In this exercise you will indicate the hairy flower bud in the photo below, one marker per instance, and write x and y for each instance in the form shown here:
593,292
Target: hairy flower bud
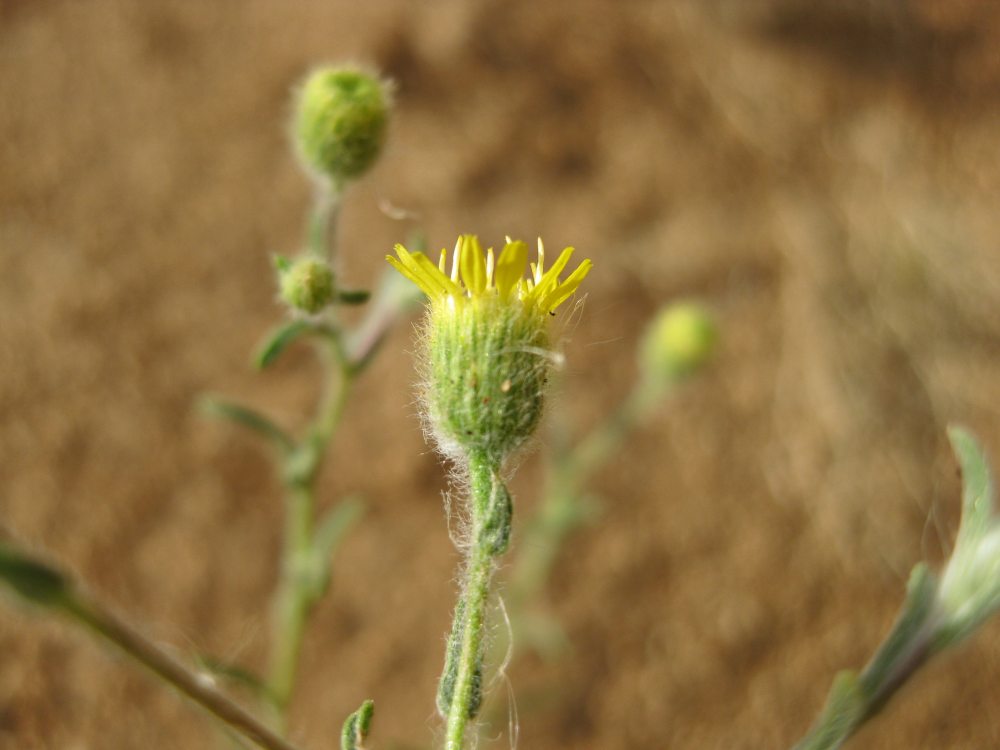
340,122
306,284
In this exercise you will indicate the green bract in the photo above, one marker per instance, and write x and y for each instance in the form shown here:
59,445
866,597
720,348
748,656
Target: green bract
487,366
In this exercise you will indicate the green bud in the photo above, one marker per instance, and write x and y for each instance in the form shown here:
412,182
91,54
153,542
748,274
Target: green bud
679,341
307,284
487,368
340,121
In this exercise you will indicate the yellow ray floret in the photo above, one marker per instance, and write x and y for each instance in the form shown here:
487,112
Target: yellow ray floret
477,274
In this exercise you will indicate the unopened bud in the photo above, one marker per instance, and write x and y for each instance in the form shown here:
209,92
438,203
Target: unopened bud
307,284
679,341
340,121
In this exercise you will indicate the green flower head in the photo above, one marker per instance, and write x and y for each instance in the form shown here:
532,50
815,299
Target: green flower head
487,352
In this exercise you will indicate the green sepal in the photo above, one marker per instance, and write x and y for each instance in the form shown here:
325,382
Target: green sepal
246,417
32,579
357,726
281,263
353,296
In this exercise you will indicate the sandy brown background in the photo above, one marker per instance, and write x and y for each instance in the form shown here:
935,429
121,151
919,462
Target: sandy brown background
823,174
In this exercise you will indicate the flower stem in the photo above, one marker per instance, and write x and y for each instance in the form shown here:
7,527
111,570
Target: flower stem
462,679
321,230
296,593
298,589
854,699
292,603
87,611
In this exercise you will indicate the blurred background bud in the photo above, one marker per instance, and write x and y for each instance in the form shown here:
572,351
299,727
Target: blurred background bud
307,284
680,340
340,122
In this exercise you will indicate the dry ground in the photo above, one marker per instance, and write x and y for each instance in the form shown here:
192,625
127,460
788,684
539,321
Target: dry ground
823,174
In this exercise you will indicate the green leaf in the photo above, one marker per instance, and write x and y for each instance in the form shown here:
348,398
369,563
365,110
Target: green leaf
330,531
281,263
357,727
32,579
278,340
248,418
842,713
977,486
353,296
899,651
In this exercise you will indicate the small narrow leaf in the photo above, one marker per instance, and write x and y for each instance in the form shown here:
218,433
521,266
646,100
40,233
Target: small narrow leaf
278,340
329,533
248,418
334,525
977,485
357,727
843,711
901,649
32,579
353,296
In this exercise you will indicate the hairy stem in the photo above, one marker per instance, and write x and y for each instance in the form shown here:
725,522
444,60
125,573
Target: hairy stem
461,691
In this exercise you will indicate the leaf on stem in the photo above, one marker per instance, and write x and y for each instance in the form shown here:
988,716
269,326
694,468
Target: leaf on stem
357,727
329,533
278,340
843,711
248,418
353,296
32,579
977,485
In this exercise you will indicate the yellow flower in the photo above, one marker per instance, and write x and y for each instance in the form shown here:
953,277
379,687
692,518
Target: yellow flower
473,276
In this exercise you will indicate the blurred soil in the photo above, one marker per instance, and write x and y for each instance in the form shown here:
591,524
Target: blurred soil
823,174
